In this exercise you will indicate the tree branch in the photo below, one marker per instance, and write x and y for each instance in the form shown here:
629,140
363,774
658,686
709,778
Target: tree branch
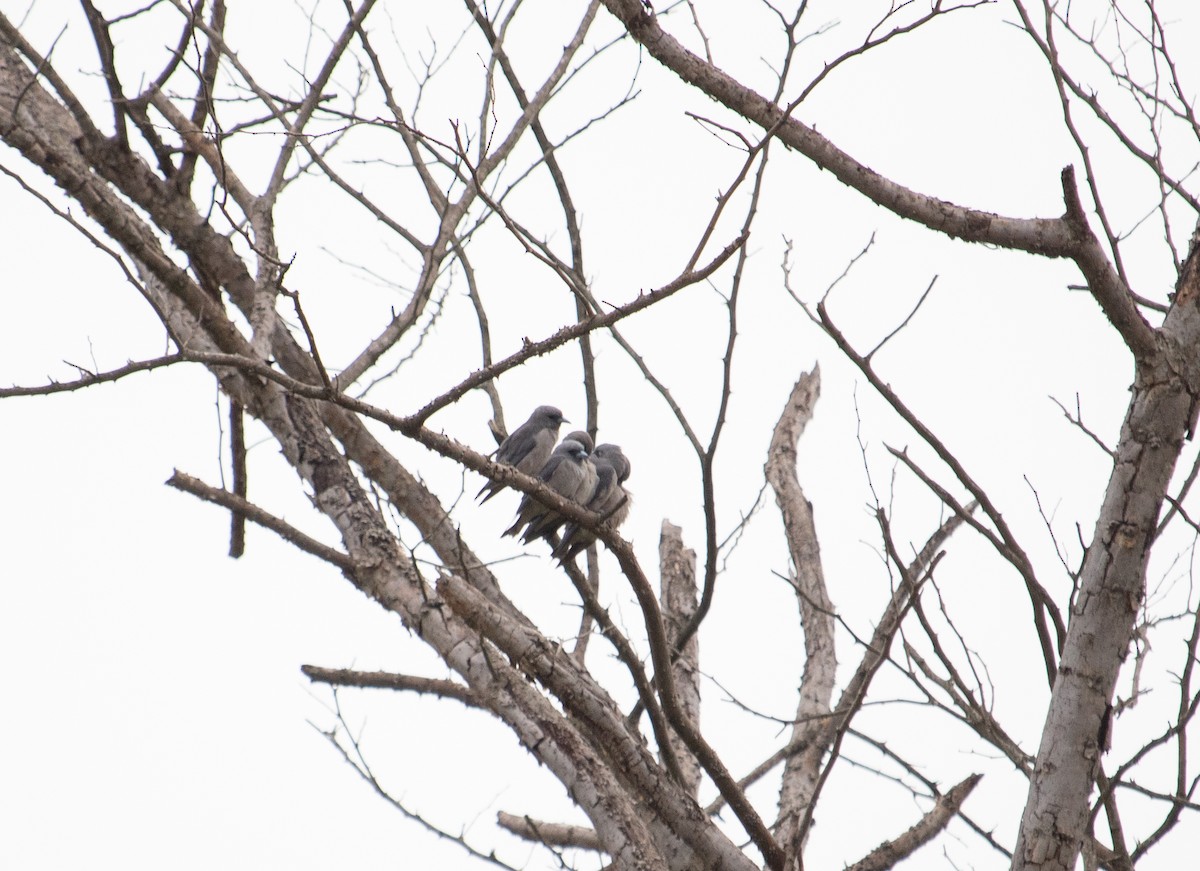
250,511
886,855
387,680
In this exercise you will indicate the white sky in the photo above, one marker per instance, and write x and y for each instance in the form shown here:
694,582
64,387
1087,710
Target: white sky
156,715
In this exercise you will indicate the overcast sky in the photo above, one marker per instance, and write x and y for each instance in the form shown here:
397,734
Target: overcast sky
156,715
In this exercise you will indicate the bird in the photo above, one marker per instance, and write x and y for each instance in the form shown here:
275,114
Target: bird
568,472
528,447
551,521
610,499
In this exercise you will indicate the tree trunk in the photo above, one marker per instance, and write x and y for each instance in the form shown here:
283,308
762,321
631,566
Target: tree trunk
1112,585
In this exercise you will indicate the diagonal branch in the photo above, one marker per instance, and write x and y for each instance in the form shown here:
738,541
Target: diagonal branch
250,511
583,327
886,855
1066,236
595,713
1047,236
1006,544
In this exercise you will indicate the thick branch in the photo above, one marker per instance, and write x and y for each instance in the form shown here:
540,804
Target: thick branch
1111,589
802,771
590,705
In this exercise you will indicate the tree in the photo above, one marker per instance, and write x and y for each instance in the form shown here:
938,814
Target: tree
464,164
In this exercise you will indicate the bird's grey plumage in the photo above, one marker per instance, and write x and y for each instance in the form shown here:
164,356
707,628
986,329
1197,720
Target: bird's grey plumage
528,447
609,498
550,520
567,470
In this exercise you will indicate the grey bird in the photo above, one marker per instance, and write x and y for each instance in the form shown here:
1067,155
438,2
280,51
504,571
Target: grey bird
567,472
610,498
527,447
551,521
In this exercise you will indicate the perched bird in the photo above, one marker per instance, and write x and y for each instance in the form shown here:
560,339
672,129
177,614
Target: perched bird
568,472
527,447
609,498
551,521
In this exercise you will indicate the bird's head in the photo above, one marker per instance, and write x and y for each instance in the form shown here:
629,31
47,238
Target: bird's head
583,438
615,457
572,448
549,416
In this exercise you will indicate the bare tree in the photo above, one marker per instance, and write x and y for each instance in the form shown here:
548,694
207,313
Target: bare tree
450,148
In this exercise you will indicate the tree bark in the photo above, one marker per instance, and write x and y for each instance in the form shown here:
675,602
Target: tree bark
1112,585
812,732
677,569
